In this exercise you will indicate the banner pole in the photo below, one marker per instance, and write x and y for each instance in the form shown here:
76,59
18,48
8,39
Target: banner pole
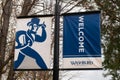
56,42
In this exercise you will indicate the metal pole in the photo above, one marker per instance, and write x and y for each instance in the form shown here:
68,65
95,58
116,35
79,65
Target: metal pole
56,43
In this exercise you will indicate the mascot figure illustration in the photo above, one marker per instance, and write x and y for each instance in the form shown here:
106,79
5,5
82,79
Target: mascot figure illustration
25,39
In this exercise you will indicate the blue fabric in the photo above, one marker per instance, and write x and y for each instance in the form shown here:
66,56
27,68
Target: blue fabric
91,31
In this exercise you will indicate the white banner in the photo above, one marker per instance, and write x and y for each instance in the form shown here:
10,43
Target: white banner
33,43
77,63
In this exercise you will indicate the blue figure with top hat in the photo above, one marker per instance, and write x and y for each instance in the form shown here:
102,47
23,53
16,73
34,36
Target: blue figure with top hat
28,38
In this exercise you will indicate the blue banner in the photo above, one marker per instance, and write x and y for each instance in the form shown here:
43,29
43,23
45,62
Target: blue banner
81,36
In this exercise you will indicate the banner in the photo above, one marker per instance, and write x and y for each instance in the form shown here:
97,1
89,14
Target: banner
33,43
81,41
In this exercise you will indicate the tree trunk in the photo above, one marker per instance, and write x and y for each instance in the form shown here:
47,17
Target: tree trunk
11,72
7,9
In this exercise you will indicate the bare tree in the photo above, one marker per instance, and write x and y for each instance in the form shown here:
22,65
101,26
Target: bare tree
6,6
